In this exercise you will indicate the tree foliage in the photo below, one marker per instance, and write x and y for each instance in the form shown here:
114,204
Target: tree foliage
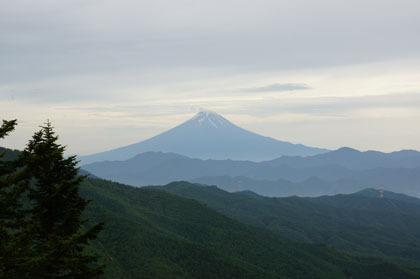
10,215
49,238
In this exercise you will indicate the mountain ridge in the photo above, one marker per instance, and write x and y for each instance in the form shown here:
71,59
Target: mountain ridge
353,159
302,177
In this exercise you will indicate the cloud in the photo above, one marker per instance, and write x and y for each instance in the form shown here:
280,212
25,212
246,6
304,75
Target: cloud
60,38
159,61
276,87
327,106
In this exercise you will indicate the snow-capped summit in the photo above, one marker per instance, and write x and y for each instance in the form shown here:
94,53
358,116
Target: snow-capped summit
207,117
208,135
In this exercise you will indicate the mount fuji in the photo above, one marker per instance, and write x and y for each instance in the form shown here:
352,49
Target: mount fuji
208,135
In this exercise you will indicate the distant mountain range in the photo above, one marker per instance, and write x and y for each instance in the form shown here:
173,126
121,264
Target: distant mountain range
342,171
208,135
353,159
401,180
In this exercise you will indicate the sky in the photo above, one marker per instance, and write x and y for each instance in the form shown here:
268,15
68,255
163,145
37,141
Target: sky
324,73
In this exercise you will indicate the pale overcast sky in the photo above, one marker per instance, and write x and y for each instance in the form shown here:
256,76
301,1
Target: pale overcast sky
327,73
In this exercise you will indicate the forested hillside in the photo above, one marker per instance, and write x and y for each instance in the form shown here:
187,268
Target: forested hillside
358,223
153,234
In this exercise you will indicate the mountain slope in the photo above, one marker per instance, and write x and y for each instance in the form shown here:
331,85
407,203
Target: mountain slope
9,154
152,234
208,136
359,223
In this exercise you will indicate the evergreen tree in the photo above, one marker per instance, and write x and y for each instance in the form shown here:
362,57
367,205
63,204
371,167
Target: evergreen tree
5,210
6,128
12,213
54,237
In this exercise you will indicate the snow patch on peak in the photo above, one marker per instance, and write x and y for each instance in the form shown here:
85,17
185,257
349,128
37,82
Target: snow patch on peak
200,121
212,118
207,113
204,114
212,123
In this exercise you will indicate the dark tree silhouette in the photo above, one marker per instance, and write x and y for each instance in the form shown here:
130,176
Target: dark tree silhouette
52,237
11,215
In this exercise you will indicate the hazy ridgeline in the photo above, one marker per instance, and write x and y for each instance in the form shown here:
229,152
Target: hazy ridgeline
342,171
